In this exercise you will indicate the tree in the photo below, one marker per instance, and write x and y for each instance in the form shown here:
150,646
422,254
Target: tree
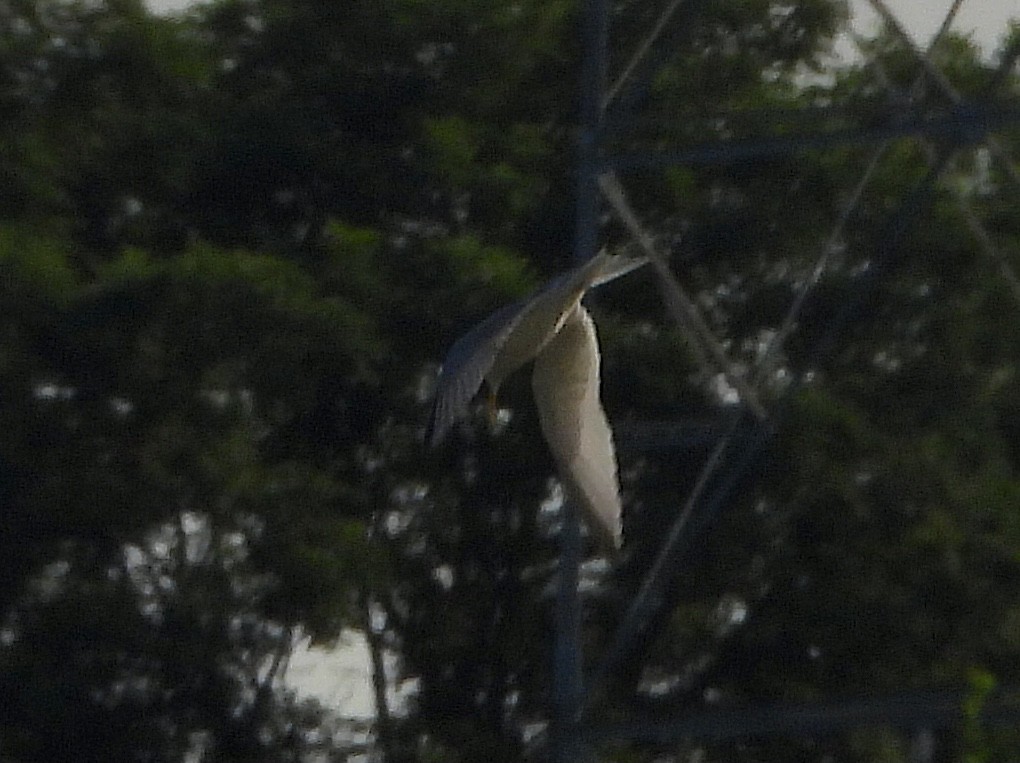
237,243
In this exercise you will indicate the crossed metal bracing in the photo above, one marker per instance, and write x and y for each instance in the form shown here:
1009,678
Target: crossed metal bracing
748,432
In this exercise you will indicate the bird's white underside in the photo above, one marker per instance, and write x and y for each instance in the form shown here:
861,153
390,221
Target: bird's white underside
565,383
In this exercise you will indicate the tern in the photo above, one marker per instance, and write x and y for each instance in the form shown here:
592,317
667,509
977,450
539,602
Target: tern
553,328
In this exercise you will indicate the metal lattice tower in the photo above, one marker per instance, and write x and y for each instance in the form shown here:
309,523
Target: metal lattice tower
746,435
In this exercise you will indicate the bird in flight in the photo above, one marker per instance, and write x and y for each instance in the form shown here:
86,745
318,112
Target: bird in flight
552,328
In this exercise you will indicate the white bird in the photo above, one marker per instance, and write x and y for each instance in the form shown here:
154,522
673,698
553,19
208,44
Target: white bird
552,327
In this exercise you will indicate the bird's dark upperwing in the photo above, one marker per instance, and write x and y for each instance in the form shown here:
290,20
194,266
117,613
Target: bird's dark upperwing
467,363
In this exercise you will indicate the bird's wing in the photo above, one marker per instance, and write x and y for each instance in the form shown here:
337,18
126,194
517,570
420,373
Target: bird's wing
538,317
566,387
467,363
607,267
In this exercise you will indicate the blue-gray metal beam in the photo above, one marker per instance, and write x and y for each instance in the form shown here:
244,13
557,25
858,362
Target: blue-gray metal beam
963,125
568,684
905,711
662,43
737,463
674,437
568,659
596,41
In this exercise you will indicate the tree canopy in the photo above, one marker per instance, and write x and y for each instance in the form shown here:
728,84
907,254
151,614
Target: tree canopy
235,245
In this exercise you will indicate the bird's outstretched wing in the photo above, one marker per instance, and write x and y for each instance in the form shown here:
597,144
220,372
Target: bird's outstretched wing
566,388
538,317
606,267
467,363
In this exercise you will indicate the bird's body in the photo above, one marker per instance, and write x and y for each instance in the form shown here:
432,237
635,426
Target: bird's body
552,328
532,331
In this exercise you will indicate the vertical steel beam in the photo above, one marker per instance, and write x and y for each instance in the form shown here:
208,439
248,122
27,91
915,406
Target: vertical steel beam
595,30
568,678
